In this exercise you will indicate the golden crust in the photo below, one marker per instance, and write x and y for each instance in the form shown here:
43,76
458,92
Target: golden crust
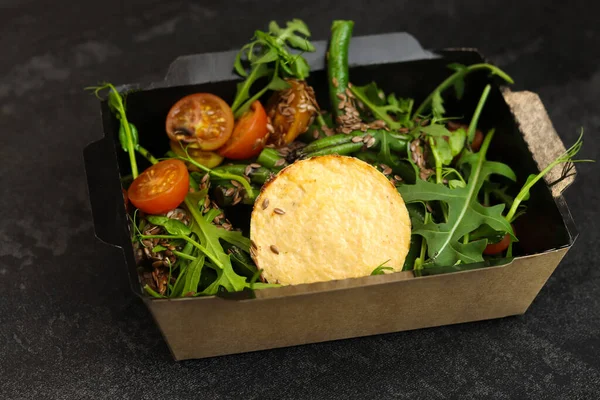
326,218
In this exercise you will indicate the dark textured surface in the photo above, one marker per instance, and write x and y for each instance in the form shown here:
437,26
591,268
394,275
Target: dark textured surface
70,327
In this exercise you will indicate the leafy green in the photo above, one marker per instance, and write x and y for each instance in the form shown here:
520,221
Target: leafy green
123,139
465,215
456,80
158,248
566,157
192,276
475,119
437,105
381,268
209,235
395,112
117,105
269,54
459,84
173,226
457,141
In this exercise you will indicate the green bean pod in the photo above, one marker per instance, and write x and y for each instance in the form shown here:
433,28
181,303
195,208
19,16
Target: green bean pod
329,141
271,159
337,63
340,149
257,175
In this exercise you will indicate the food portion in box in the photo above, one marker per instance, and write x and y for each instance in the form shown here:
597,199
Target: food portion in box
368,184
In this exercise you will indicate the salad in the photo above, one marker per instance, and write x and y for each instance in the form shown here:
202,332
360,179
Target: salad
223,152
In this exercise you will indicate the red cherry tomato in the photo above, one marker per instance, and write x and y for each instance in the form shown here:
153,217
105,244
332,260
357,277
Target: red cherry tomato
477,141
203,119
160,188
246,140
497,248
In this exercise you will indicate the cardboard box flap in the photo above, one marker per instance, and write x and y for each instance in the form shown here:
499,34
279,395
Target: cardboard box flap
541,137
384,48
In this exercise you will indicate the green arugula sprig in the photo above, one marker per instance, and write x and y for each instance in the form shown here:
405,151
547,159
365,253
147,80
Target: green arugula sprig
395,112
456,80
269,55
465,213
128,133
565,158
381,268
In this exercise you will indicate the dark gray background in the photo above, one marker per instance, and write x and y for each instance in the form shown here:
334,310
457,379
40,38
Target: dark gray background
70,328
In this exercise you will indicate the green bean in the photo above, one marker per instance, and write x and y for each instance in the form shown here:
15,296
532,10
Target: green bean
340,149
270,158
396,142
330,141
337,63
257,175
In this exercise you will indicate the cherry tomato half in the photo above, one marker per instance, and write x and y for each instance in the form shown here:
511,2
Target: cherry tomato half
209,159
160,188
246,140
201,118
291,118
497,248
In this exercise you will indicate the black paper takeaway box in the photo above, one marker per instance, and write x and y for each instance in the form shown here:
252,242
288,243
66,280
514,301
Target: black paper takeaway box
200,327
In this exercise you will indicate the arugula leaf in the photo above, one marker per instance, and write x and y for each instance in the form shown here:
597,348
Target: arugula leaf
458,76
241,261
173,226
209,235
158,248
391,110
456,183
228,279
381,268
457,141
192,276
116,103
437,105
567,157
465,215
269,53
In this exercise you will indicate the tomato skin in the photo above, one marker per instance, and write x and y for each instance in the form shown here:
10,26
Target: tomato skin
246,141
200,118
289,127
161,187
477,141
209,159
497,248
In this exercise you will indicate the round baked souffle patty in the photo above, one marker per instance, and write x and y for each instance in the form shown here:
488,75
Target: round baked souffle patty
326,218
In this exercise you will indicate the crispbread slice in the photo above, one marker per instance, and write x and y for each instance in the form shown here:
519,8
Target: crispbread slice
325,218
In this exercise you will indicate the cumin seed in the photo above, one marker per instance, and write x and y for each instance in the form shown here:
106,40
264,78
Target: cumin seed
265,204
278,211
274,249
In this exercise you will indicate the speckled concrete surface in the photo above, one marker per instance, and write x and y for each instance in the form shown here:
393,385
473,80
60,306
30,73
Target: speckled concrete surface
71,329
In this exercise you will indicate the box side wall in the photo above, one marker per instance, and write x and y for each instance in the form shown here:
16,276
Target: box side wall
198,328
